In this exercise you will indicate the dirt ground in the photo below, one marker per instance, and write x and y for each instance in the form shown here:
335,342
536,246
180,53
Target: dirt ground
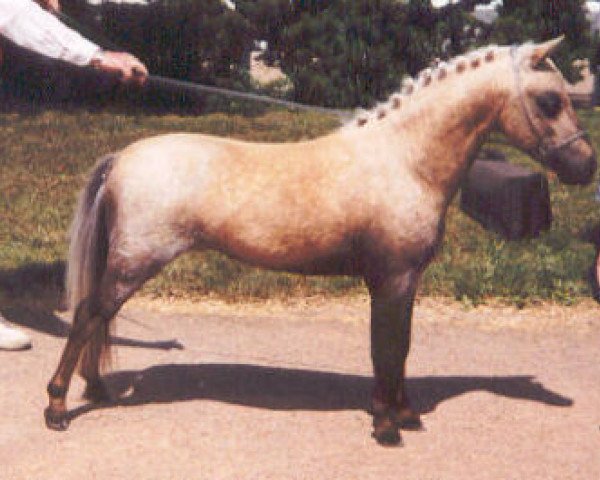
281,391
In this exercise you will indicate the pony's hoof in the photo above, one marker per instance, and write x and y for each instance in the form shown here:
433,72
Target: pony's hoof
386,432
389,437
96,392
58,421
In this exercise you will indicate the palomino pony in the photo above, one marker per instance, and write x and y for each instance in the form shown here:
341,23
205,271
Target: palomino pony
369,199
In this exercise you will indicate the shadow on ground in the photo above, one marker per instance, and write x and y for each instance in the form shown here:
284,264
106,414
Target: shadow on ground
30,295
290,389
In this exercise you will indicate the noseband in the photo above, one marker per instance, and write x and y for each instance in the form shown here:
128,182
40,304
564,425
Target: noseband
546,146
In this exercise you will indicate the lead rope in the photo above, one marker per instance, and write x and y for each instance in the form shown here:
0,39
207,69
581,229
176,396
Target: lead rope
199,87
161,81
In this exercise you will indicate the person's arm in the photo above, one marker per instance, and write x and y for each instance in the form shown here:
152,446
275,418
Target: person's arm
33,28
26,24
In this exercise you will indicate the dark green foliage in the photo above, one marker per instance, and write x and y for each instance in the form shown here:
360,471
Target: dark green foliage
346,53
351,53
342,53
199,41
539,20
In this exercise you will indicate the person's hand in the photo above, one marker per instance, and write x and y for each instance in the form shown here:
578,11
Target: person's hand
50,5
129,67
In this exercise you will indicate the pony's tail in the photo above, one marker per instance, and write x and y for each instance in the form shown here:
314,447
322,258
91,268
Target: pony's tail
88,250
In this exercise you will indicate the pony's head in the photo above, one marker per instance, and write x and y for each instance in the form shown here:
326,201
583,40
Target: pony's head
539,118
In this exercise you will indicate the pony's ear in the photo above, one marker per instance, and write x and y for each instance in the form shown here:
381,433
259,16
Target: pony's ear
542,50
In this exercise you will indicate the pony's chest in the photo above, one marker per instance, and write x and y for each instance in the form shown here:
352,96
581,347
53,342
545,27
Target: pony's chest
411,225
422,229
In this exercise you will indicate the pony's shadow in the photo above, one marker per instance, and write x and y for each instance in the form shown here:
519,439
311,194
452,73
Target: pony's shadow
295,389
32,293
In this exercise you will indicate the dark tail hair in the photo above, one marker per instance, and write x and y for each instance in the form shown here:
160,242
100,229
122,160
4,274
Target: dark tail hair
88,250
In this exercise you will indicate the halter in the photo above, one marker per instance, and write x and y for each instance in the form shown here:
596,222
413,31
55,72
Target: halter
545,146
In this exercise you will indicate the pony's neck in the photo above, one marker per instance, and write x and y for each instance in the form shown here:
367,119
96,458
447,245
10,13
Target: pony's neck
440,120
452,120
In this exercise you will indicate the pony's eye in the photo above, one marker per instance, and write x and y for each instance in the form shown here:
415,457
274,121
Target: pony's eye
549,103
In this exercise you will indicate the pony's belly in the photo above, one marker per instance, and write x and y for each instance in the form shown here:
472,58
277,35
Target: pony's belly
331,265
344,259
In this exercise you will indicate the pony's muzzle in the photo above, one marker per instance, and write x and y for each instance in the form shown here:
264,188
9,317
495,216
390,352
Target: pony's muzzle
573,170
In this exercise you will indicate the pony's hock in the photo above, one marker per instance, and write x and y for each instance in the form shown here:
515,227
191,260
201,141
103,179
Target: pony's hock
507,198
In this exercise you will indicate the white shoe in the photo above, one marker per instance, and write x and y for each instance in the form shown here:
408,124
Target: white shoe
12,338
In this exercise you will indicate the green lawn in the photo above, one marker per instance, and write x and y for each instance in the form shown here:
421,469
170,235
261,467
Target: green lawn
45,159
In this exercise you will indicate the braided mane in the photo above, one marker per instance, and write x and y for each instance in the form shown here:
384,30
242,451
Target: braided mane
436,73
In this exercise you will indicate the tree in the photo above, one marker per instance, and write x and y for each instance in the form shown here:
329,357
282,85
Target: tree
539,20
346,53
342,53
200,41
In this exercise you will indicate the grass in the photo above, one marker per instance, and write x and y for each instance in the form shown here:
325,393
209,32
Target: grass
46,157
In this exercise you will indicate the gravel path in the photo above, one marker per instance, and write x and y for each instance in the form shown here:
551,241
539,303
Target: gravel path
280,391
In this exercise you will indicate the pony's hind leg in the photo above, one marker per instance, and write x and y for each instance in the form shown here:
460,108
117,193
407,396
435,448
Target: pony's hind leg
116,288
88,339
87,320
89,365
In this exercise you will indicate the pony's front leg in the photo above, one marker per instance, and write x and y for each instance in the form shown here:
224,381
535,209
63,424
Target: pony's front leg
392,301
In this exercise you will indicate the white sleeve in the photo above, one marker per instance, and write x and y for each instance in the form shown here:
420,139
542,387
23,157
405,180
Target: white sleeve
9,8
28,25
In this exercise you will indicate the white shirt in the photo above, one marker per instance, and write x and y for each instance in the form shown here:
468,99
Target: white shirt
28,25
